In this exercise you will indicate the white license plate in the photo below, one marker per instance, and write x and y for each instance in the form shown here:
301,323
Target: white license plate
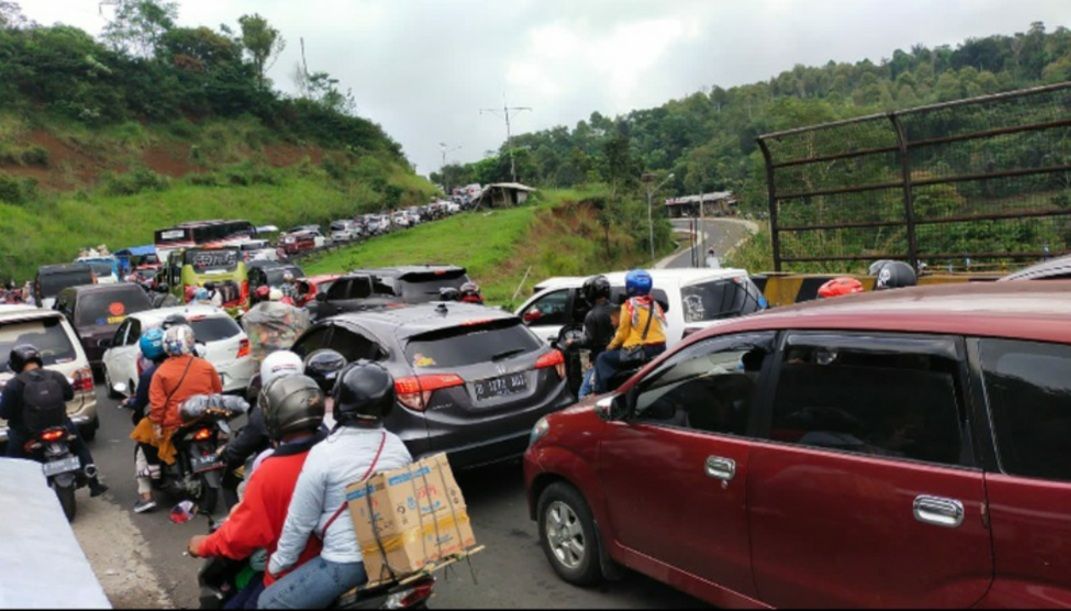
203,463
61,466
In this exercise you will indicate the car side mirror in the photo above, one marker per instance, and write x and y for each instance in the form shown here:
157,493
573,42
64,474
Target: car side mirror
613,407
532,316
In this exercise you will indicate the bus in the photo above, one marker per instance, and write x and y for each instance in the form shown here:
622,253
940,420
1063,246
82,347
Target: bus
203,234
188,268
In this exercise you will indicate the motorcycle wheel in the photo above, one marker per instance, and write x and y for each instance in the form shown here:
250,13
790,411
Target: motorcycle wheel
208,497
65,494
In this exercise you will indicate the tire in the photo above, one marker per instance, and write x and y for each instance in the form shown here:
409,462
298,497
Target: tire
65,494
567,535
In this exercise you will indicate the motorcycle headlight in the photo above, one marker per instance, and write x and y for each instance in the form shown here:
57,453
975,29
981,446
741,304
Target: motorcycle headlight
538,431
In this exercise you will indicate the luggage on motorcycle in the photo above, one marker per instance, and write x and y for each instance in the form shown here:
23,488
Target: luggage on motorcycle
43,404
196,406
273,325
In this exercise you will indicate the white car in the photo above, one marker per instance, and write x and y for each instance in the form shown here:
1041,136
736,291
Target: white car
696,298
224,344
400,219
344,231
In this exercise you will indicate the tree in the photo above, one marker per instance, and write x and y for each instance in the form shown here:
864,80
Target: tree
138,25
11,16
263,42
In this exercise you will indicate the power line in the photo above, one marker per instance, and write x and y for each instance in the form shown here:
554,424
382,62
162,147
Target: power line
505,111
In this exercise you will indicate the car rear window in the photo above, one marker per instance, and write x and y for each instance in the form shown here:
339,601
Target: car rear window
110,307
47,334
424,286
214,328
100,268
468,345
1029,394
718,299
275,274
54,282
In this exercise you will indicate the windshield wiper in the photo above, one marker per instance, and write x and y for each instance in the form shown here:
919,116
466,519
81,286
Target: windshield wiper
507,353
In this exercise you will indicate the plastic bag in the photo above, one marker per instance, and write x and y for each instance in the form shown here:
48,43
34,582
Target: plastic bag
272,325
196,406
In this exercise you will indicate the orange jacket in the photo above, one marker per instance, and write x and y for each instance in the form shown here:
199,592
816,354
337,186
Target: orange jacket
170,387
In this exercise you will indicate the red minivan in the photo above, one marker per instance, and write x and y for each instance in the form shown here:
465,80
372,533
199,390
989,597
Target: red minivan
894,449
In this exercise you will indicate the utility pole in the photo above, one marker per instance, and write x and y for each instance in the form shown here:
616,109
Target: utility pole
509,135
442,166
648,178
304,69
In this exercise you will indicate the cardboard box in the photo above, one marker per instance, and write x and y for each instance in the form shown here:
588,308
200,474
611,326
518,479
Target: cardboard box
409,518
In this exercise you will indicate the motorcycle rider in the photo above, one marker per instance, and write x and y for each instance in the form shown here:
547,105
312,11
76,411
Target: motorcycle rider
642,326
358,446
293,411
51,391
598,326
146,461
470,293
178,378
289,287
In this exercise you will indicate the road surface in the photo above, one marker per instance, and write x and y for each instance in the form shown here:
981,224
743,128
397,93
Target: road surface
721,234
138,557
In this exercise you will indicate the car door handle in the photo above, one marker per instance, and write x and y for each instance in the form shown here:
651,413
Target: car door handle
938,511
720,468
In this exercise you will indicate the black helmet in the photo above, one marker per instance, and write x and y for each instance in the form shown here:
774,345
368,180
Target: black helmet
291,404
323,366
364,391
449,293
22,354
162,287
173,320
595,287
210,285
894,275
876,266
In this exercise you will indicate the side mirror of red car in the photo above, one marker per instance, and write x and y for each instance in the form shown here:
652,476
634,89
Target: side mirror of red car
612,407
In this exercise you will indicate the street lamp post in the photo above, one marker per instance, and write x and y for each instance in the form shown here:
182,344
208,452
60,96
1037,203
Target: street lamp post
648,178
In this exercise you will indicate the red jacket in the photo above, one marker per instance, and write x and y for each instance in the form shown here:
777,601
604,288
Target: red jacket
258,520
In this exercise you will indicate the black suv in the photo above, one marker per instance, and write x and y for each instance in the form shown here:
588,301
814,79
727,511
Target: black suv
386,287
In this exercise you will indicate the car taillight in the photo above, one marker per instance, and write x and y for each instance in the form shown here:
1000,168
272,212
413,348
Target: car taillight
243,348
54,435
554,359
407,599
202,435
414,392
83,380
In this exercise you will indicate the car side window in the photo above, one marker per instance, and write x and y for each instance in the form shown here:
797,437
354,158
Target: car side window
119,339
1029,394
355,346
893,401
313,339
550,309
709,386
134,332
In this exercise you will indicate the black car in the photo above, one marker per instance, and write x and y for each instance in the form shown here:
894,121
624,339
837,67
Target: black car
352,293
415,283
51,279
96,311
471,380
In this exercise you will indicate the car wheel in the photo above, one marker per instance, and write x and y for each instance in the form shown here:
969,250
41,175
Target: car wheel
567,534
108,385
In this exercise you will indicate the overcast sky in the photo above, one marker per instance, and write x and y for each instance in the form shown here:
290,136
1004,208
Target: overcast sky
423,69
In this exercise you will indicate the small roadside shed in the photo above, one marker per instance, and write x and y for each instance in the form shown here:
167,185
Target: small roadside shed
503,194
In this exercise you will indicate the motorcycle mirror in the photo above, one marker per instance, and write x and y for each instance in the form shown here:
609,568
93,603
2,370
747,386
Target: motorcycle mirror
119,388
183,512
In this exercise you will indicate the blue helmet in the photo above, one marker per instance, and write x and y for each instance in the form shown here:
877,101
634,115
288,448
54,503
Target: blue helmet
152,343
638,282
201,294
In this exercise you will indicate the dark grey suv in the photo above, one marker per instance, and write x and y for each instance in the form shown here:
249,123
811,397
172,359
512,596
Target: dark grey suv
471,380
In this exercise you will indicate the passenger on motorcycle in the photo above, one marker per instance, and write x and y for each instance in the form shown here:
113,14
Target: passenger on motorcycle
146,461
598,326
293,410
289,287
359,446
470,293
178,378
640,334
28,412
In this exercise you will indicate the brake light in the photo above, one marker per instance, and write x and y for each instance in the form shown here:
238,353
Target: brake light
475,322
243,348
554,359
202,435
83,380
414,392
53,435
407,599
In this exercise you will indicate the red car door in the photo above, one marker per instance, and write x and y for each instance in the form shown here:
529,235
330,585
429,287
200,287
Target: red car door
674,474
865,495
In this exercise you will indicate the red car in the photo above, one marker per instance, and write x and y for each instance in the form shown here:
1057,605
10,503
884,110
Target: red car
309,287
895,449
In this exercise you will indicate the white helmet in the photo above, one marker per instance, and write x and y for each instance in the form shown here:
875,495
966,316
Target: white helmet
178,340
275,295
278,364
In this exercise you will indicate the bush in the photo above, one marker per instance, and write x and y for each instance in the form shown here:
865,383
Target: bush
35,155
17,190
135,181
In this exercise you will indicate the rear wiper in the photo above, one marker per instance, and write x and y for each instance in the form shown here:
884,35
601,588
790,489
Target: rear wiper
507,353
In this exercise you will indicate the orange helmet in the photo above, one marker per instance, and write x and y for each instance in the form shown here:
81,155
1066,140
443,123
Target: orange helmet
844,285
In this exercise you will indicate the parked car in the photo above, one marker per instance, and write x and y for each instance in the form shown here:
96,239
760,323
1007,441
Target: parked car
301,242
693,299
471,380
1050,269
400,219
223,343
61,351
258,250
344,231
355,292
904,448
97,310
51,279
415,283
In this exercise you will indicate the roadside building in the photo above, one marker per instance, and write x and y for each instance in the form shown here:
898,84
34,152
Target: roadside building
503,195
717,203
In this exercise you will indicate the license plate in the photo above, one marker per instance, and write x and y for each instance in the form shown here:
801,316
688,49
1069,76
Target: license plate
501,386
61,466
200,464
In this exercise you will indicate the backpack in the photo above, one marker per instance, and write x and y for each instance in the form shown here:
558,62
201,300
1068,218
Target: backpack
43,404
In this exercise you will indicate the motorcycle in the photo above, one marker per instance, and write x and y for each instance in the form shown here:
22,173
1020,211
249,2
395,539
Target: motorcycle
52,448
574,371
218,576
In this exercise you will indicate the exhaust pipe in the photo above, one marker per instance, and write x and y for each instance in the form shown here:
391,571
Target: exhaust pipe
90,471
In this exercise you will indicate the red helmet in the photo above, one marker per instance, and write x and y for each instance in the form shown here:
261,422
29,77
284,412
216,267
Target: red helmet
844,285
262,292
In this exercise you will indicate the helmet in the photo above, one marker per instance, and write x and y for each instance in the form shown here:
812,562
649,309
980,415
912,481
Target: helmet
323,366
173,320
152,343
449,293
201,294
22,354
279,364
638,282
594,288
291,404
262,291
364,391
288,277
877,265
275,295
894,275
178,340
843,285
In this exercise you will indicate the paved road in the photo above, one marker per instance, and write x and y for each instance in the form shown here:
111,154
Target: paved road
721,234
511,572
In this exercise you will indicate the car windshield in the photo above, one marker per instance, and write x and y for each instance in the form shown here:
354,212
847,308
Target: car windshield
214,328
101,267
46,334
470,344
53,283
423,287
212,260
109,307
720,299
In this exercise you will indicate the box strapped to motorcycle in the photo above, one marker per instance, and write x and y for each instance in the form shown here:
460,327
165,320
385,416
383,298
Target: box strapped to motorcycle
273,325
410,521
